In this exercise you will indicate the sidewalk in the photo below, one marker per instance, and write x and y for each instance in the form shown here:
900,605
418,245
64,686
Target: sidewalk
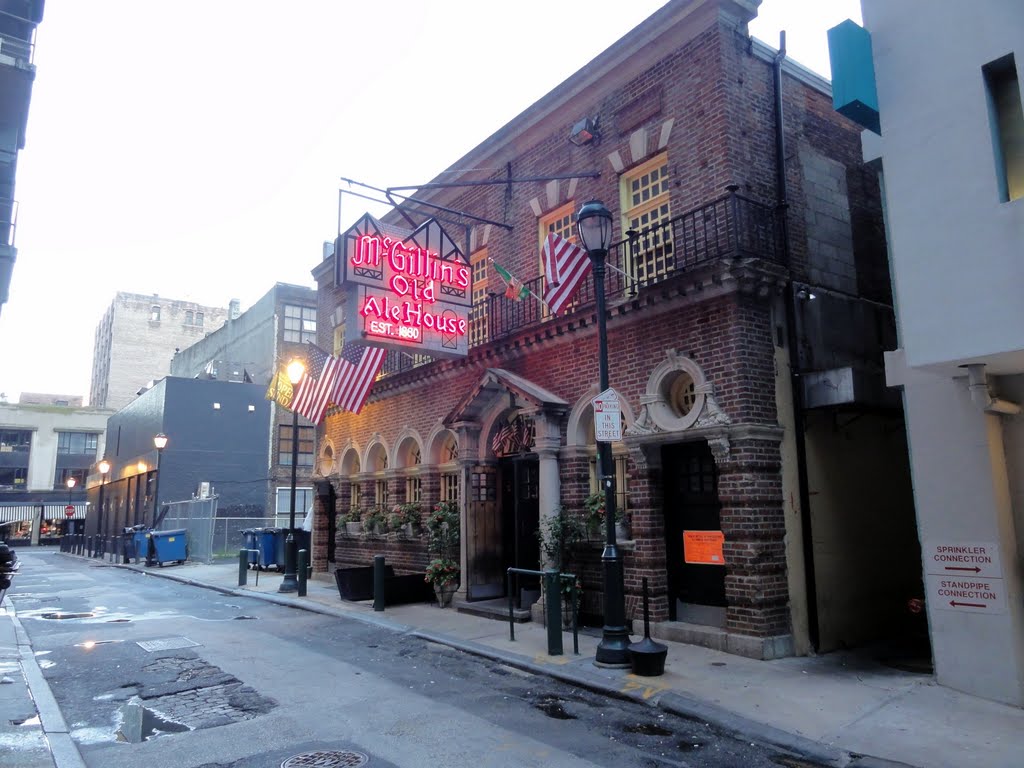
838,709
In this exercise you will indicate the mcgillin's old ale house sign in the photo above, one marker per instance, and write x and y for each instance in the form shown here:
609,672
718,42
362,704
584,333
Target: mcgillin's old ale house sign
404,290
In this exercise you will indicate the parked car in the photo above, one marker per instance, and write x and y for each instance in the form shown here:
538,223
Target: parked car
8,567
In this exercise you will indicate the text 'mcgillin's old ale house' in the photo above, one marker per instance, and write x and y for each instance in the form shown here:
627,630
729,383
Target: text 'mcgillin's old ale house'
762,465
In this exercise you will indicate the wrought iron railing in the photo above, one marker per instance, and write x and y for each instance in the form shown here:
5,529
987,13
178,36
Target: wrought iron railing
14,50
733,226
8,220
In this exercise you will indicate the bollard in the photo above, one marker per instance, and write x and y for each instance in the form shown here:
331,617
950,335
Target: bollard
378,582
88,546
553,591
243,567
301,568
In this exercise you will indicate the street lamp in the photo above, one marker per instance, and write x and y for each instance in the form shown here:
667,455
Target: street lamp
290,582
70,484
160,442
104,468
594,223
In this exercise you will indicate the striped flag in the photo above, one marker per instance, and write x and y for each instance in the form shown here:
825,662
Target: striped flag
359,367
318,383
514,289
565,267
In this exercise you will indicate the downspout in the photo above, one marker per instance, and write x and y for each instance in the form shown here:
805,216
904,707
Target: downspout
796,383
977,385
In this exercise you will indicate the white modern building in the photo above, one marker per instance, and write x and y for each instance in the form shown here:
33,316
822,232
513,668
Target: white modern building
43,446
949,137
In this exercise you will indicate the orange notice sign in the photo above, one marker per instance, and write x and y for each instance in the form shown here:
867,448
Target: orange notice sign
703,547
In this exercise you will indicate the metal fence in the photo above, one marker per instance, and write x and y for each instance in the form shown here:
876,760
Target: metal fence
211,537
196,516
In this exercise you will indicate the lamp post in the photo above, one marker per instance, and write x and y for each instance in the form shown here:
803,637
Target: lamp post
290,581
104,468
160,442
594,223
70,484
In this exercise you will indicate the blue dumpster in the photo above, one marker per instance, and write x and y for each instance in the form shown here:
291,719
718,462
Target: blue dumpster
169,546
251,541
272,547
135,542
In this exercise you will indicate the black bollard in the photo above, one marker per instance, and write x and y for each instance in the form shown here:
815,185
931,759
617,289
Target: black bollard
303,558
243,567
553,604
647,656
378,583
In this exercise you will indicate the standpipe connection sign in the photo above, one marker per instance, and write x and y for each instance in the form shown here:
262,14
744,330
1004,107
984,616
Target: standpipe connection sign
965,576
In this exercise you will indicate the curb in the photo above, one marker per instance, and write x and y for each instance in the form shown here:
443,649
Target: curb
63,749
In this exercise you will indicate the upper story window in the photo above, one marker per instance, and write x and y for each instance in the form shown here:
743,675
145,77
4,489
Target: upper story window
478,312
1007,125
15,440
84,443
154,313
188,317
199,319
299,324
60,478
645,210
284,446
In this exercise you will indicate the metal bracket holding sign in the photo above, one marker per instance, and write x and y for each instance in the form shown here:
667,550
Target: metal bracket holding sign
607,417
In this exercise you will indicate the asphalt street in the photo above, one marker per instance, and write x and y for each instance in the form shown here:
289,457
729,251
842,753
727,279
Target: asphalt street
153,672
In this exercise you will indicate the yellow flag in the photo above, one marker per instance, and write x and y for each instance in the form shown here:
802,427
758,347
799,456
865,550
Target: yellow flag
280,389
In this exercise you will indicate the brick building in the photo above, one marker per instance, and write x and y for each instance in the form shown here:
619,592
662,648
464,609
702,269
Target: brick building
136,339
748,306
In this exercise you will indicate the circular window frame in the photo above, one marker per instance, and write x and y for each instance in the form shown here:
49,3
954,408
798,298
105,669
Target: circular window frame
661,393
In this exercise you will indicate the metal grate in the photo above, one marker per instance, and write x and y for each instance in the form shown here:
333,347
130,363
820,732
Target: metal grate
325,760
166,644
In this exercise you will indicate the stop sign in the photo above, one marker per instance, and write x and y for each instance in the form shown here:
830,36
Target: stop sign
69,510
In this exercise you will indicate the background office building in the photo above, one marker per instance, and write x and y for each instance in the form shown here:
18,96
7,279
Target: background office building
137,338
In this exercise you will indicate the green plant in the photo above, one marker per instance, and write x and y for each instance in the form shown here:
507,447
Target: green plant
594,504
558,534
443,530
375,519
441,571
354,515
407,513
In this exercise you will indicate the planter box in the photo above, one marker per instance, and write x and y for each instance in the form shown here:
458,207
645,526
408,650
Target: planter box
356,583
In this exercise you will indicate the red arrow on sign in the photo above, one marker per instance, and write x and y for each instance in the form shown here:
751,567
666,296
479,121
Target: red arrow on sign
976,569
954,603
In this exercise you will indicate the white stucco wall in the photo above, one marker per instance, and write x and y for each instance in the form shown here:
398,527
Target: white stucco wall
958,266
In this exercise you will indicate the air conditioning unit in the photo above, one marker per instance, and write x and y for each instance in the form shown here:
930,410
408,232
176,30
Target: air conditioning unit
204,491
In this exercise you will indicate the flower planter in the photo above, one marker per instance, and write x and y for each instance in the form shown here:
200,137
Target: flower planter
354,529
444,593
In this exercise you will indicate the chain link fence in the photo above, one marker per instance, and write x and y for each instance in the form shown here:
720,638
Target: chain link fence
211,537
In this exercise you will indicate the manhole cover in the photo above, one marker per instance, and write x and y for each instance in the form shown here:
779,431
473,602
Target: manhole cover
166,644
325,760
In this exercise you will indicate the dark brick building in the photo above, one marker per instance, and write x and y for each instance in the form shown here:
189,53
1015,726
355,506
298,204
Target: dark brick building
747,313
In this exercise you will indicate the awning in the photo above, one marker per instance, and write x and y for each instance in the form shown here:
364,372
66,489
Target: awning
16,513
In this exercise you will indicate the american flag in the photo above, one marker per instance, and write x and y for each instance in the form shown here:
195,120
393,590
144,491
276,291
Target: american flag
318,383
359,367
565,267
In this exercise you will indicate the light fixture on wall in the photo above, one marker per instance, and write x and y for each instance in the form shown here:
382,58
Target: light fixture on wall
586,131
805,295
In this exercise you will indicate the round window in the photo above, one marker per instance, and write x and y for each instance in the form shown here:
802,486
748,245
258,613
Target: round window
681,395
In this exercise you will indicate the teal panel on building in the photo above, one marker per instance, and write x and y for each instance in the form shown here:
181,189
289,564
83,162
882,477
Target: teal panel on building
854,94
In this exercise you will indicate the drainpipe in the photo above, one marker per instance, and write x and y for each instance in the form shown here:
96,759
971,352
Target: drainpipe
977,385
796,383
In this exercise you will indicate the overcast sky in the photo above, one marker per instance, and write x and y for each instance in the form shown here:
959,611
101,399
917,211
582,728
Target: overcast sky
193,148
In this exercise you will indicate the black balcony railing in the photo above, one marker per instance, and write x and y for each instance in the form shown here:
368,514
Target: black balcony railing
730,227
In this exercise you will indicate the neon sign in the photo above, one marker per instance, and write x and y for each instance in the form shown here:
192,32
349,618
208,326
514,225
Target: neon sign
412,274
